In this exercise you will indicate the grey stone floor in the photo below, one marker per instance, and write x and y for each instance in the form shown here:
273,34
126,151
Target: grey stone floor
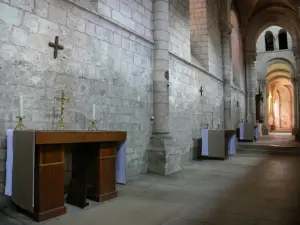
247,189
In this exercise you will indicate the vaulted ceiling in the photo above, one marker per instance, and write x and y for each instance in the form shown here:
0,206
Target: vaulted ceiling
248,8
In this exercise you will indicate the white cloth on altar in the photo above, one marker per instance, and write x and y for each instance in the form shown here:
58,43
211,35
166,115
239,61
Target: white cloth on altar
9,162
246,131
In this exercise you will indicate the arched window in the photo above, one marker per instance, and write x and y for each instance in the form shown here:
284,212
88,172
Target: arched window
269,39
282,37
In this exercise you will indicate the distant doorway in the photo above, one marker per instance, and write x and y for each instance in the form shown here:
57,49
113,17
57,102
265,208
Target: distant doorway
280,98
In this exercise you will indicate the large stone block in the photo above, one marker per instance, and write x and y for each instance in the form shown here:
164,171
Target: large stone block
5,30
27,5
57,15
125,9
10,15
30,22
41,8
76,23
47,28
19,36
104,9
164,155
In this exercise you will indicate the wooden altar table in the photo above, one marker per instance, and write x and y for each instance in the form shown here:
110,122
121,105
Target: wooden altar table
39,169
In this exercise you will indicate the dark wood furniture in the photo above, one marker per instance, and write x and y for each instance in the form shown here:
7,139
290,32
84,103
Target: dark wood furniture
93,169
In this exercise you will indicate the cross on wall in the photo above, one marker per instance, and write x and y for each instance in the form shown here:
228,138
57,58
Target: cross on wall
56,46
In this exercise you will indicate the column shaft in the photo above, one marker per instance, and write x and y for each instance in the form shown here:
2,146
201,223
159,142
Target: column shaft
251,87
161,67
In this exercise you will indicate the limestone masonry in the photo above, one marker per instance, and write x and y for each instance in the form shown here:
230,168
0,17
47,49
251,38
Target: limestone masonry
134,59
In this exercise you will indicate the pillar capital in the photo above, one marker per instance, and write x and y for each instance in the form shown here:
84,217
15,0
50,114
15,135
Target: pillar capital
250,56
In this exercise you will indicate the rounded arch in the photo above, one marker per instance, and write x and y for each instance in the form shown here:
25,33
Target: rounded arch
282,17
279,61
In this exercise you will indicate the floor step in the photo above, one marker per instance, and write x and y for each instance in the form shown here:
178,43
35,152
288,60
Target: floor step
281,151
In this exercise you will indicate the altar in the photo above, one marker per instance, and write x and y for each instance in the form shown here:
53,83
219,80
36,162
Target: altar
218,144
246,132
36,168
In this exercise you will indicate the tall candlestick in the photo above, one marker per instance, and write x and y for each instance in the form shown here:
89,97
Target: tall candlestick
94,112
21,106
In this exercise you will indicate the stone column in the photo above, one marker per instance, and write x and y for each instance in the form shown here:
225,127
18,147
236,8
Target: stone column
164,156
265,130
296,80
226,29
295,105
251,86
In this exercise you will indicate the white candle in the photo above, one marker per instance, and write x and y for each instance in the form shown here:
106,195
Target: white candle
94,112
21,106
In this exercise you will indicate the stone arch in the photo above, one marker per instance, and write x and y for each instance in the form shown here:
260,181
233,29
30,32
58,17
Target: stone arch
283,39
279,61
277,16
269,41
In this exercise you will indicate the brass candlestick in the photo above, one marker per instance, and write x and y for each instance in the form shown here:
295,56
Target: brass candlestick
20,125
92,124
62,100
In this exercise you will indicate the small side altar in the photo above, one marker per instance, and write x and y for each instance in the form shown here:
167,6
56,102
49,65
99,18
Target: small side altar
246,132
213,144
98,163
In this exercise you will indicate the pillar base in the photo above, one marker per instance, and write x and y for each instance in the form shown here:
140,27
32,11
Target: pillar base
164,155
265,130
294,131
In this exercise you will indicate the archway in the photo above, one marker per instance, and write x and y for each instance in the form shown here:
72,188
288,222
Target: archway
280,97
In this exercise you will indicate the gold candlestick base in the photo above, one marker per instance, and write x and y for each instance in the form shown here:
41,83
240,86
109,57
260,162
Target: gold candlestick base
61,125
92,125
20,125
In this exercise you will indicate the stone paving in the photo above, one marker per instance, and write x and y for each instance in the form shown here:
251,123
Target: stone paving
282,142
246,189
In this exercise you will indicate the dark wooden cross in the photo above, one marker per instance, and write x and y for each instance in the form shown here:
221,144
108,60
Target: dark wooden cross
56,46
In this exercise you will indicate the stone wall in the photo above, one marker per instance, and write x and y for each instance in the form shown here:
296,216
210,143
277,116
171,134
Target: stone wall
179,25
238,67
189,111
106,61
214,39
199,31
238,105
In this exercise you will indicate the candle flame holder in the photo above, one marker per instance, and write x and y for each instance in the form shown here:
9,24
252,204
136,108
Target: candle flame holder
92,124
20,125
